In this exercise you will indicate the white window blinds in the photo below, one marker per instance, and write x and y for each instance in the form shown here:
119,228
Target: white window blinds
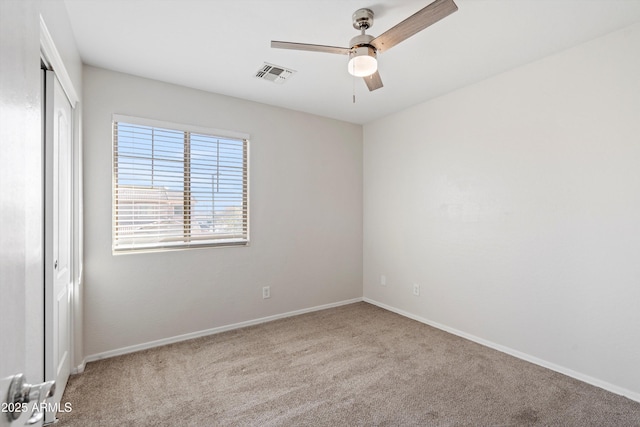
176,186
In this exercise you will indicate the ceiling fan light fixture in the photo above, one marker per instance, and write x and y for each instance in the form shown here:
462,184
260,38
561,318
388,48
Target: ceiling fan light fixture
362,61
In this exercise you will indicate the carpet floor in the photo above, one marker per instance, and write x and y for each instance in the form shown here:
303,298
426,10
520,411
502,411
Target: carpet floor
354,365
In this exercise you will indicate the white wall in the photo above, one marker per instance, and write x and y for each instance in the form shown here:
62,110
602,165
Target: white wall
305,218
515,204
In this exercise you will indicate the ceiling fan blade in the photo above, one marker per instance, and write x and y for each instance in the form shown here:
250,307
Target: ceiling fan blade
415,23
310,47
373,81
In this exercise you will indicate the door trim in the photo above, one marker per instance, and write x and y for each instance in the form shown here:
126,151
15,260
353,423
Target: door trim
54,60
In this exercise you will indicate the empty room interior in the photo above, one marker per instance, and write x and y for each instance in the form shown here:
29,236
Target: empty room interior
320,212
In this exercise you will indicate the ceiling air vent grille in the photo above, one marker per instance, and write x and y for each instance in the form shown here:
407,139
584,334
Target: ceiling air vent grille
274,73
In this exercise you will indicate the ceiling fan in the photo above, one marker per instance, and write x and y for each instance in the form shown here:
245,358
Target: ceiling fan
364,48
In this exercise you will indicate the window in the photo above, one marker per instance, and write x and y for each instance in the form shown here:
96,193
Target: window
177,186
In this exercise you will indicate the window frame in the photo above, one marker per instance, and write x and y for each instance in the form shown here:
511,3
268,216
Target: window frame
177,245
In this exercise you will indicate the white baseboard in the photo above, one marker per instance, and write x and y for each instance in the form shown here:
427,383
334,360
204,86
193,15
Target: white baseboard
515,353
80,368
198,334
520,355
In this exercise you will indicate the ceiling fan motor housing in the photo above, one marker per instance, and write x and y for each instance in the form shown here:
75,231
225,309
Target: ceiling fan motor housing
361,40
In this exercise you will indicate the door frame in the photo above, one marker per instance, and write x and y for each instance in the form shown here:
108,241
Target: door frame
53,60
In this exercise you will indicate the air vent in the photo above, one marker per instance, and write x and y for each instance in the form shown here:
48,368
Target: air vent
274,73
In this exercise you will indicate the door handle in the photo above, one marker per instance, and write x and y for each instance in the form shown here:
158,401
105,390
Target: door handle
21,393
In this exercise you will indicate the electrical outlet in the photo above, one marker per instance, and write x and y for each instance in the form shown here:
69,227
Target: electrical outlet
416,289
383,280
266,292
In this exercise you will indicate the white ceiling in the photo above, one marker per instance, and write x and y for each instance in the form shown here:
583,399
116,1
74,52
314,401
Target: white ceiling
218,45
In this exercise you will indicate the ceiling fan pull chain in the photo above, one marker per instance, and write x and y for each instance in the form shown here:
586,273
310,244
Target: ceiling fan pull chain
354,88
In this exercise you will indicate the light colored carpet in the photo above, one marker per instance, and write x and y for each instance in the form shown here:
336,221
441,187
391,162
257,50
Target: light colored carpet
355,365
